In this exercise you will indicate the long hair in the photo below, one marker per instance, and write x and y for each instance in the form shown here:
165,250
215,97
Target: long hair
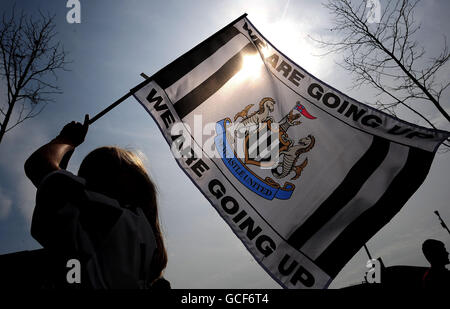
120,174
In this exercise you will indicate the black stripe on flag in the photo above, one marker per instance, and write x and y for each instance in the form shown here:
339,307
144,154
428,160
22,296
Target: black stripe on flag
356,234
344,193
183,65
213,83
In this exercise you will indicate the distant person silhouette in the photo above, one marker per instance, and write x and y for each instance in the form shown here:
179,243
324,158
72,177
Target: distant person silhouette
106,217
437,276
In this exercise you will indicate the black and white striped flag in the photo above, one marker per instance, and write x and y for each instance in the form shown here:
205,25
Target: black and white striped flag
303,174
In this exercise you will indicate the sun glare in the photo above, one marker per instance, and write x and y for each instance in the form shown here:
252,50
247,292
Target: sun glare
265,51
296,45
251,69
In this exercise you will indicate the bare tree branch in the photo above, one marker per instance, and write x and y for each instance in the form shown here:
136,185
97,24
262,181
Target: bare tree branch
386,55
30,57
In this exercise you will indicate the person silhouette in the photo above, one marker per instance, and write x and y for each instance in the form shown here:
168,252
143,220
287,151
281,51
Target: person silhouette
437,276
106,217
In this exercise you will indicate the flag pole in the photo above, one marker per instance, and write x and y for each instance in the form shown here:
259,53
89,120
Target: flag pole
145,82
367,251
103,112
120,100
442,221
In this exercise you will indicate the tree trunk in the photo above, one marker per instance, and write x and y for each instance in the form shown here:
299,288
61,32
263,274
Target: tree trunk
7,117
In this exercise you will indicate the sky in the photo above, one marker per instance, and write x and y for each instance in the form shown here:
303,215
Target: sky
114,43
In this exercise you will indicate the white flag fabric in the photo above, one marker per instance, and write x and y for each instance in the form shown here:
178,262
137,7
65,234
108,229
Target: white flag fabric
343,169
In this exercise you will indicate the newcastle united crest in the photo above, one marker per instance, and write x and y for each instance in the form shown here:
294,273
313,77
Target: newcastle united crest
254,138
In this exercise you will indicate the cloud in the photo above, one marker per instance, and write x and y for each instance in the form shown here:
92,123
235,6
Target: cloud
220,258
15,148
440,121
5,204
26,199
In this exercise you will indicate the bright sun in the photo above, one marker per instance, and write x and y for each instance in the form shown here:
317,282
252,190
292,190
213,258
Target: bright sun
251,69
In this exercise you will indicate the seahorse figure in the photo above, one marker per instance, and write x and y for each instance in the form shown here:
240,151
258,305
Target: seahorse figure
291,156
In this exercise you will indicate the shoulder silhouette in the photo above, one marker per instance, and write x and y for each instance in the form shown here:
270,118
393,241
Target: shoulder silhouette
437,276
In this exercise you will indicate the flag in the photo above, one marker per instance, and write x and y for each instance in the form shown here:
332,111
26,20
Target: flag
303,174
